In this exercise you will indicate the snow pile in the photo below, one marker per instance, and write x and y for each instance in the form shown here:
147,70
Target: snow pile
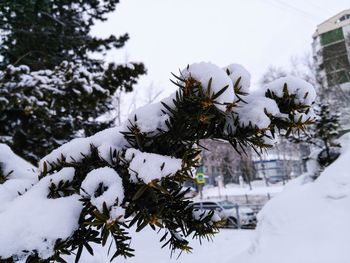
308,222
19,175
114,194
35,222
149,166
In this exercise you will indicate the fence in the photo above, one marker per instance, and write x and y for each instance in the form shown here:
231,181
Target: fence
260,199
235,215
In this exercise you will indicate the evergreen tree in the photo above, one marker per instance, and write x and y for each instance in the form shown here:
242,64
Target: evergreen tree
41,110
133,174
51,90
323,135
42,34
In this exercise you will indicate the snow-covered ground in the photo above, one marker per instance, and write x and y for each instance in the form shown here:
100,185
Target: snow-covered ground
309,221
225,245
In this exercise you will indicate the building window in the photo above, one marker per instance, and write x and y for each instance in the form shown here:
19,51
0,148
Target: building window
343,18
332,36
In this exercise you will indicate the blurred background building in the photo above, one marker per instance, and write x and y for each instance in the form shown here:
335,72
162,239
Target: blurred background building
331,53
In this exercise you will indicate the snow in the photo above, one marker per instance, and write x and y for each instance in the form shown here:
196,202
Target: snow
203,72
34,222
150,118
49,80
169,101
309,221
256,115
105,141
149,166
303,117
20,175
10,162
304,92
113,196
237,71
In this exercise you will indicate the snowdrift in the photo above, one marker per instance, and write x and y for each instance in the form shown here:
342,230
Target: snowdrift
307,222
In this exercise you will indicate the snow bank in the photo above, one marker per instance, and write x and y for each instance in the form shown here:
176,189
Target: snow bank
149,166
308,222
34,222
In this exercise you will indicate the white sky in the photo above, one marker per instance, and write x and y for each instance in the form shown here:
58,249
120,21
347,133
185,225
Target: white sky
169,34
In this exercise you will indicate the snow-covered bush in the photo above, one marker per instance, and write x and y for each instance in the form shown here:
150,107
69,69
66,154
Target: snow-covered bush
91,190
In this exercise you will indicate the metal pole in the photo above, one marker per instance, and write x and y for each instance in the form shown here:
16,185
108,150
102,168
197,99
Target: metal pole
238,218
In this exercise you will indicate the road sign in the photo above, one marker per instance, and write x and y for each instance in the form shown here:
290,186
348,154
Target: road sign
200,175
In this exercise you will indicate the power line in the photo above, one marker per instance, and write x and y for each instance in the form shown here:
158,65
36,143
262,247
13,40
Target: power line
318,7
300,11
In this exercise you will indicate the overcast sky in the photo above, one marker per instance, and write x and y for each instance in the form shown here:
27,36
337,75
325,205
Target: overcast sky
169,34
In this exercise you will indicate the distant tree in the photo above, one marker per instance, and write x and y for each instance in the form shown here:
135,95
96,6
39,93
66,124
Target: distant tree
51,88
229,163
271,74
323,135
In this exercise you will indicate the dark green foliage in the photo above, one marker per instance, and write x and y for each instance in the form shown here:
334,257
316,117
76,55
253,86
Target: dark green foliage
288,104
161,205
42,34
42,109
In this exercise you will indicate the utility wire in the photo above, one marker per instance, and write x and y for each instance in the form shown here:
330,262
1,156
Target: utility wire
298,10
326,12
